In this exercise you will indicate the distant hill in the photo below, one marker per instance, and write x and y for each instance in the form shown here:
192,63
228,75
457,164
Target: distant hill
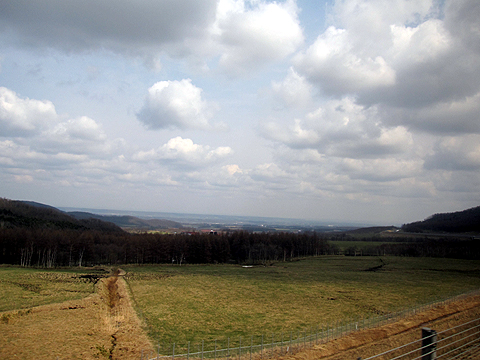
129,222
466,221
372,230
32,215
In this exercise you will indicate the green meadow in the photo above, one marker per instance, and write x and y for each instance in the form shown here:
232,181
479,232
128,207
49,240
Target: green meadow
214,302
22,288
191,303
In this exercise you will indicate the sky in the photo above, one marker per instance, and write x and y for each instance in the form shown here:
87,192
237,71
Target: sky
347,110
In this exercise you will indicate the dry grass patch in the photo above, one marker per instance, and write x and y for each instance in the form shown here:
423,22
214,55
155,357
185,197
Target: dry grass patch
70,330
100,326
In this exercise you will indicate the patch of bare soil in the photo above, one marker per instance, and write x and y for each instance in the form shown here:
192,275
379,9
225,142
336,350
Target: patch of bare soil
101,326
370,342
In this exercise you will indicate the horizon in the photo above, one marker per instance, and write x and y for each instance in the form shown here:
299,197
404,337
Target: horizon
189,217
331,110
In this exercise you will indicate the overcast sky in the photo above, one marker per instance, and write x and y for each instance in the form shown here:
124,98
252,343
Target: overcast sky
350,110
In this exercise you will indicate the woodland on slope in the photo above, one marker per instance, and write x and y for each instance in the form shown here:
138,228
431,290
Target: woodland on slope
42,236
456,222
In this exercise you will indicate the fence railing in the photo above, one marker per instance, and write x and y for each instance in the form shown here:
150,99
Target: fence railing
459,342
268,346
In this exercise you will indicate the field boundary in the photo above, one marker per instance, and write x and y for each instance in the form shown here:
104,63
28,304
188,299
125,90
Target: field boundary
276,345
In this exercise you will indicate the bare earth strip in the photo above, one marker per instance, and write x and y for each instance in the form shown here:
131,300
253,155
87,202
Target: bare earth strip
102,326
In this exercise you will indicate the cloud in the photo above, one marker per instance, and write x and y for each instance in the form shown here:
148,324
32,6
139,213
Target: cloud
294,90
121,26
24,116
380,170
456,153
242,34
180,152
35,135
176,104
252,33
443,118
401,55
332,64
342,128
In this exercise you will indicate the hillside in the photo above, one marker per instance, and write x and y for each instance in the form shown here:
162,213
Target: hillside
129,222
29,215
466,221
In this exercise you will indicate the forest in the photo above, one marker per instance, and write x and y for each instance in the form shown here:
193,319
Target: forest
455,222
46,237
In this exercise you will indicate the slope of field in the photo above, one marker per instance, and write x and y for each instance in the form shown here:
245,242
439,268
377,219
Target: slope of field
367,343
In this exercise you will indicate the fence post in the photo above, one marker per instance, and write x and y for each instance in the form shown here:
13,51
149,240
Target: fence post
261,348
429,344
273,336
188,350
202,348
173,351
281,346
251,347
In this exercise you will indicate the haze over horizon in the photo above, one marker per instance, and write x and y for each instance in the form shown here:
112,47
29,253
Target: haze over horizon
349,110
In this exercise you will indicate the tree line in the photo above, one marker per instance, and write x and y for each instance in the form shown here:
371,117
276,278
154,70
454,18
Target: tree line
71,247
43,236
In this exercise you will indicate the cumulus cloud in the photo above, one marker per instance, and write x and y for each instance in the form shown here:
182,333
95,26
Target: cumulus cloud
251,33
176,104
24,116
342,128
180,152
243,34
401,54
331,63
37,136
294,90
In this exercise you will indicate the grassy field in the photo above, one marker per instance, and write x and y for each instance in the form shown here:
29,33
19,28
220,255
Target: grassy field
215,302
343,245
23,288
195,303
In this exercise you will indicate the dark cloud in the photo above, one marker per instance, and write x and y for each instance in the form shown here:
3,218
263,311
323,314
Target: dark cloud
119,25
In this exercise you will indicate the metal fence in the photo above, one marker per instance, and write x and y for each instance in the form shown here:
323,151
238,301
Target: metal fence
268,346
460,342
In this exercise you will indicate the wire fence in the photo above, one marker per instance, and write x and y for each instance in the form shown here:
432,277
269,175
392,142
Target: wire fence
459,342
269,346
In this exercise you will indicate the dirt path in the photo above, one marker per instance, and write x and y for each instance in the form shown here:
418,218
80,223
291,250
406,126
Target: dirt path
127,336
102,326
